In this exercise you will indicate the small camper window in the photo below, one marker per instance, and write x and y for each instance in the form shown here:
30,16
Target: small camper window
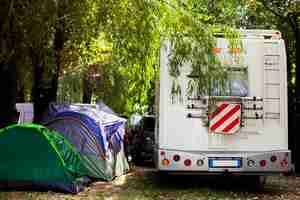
236,84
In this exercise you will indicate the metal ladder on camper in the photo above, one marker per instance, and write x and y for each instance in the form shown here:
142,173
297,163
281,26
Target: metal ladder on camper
272,81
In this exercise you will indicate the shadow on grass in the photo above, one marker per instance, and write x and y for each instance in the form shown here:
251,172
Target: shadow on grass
146,184
143,184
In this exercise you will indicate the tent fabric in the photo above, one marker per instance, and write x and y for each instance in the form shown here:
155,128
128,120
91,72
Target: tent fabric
81,123
33,155
73,126
96,134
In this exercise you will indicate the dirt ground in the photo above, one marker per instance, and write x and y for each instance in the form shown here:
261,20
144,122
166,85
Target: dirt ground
146,184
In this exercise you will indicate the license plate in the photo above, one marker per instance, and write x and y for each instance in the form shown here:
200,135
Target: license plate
225,163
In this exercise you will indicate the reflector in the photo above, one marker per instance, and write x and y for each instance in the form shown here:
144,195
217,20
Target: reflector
200,162
187,162
176,158
263,163
165,162
273,158
251,163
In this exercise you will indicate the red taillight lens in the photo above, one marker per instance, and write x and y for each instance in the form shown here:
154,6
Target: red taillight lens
165,162
263,163
187,162
273,158
176,158
162,153
284,163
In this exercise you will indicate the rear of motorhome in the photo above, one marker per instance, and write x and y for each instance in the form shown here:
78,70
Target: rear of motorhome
243,129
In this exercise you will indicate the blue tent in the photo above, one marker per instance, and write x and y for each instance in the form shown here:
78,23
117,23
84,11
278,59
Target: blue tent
96,134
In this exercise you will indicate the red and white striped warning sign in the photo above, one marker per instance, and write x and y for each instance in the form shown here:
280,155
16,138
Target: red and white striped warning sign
226,119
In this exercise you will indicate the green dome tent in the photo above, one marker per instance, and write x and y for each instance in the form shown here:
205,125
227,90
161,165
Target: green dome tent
36,157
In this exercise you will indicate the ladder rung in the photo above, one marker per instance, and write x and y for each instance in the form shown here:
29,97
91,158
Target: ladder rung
270,42
271,55
272,98
271,64
274,84
272,69
272,113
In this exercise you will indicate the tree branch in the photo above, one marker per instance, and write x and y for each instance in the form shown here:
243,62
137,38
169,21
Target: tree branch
7,19
265,4
293,23
184,7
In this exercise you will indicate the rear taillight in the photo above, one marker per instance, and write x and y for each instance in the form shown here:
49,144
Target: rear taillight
162,153
187,162
176,158
251,163
200,162
263,163
284,163
165,162
273,158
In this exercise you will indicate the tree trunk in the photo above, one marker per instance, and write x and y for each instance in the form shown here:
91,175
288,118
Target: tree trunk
36,92
297,40
296,116
87,90
297,46
21,95
8,76
8,88
58,46
43,96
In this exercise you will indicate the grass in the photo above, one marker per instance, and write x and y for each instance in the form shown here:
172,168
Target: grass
150,186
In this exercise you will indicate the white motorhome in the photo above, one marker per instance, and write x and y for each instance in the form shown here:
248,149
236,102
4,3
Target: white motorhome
247,132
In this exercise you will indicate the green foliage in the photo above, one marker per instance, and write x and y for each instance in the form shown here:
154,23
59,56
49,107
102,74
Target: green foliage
28,30
190,27
281,15
132,26
117,40
70,88
125,53
25,37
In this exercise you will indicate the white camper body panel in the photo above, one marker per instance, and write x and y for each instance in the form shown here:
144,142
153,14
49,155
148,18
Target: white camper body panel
258,138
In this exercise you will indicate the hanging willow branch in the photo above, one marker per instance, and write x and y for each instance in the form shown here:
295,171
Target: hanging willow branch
207,72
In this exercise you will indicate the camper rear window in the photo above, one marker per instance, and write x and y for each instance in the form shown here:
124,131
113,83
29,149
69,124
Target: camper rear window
236,85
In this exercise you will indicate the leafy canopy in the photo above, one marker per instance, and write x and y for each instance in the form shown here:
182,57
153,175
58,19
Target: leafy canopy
119,40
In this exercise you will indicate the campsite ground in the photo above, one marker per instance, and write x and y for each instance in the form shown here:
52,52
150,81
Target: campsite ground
146,184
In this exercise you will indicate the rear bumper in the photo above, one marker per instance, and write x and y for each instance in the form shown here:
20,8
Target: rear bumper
210,162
